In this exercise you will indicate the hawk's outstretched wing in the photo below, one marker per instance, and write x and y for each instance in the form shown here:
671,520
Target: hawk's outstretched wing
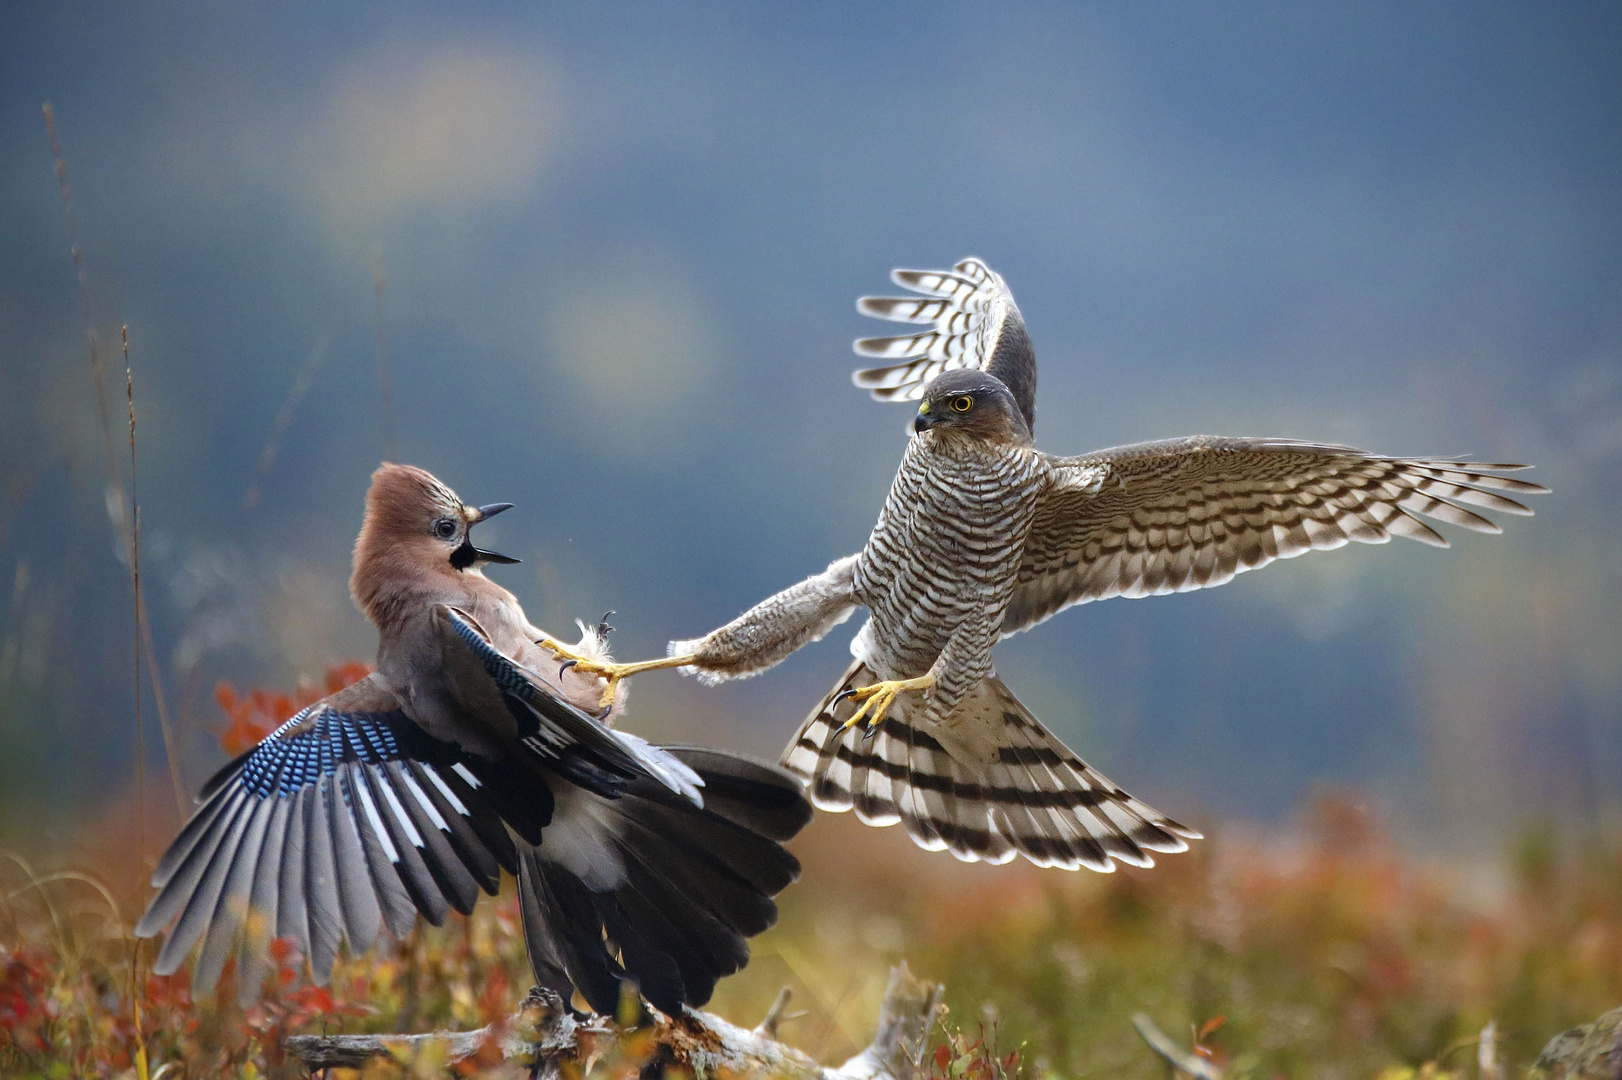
973,322
1186,514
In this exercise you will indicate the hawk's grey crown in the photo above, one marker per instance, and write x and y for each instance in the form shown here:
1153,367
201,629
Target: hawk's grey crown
974,402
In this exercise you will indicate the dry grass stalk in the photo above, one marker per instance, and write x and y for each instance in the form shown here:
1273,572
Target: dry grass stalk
140,730
284,418
114,472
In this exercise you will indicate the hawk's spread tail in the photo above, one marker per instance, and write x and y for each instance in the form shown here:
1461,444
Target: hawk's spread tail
1005,786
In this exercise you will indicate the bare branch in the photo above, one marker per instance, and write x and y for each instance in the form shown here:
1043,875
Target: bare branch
1180,1059
1487,1053
774,1015
548,1036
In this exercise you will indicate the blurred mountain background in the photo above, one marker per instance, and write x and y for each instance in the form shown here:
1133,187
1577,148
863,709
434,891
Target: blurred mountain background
607,256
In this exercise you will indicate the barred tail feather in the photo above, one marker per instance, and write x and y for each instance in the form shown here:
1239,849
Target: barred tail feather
989,784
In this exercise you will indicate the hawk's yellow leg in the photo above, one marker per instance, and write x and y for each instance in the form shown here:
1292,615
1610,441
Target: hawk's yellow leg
611,672
877,699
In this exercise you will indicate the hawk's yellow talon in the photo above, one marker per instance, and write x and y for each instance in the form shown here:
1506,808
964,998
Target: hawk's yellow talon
877,699
611,673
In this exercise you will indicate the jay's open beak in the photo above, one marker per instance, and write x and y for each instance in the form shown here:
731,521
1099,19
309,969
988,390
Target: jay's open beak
467,555
485,513
494,556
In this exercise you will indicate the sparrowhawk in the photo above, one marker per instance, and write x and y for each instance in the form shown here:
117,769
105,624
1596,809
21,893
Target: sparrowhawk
983,536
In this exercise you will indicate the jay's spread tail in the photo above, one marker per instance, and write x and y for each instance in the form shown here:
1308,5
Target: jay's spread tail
658,893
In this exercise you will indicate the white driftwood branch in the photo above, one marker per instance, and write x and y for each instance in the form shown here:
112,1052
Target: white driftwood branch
545,1035
1180,1059
1487,1053
905,1015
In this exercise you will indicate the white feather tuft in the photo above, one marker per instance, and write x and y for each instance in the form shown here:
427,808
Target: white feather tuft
582,839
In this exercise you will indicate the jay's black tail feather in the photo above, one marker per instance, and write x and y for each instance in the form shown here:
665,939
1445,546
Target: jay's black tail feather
687,886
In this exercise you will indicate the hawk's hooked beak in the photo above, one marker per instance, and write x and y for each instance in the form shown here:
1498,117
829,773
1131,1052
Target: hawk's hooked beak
923,421
467,555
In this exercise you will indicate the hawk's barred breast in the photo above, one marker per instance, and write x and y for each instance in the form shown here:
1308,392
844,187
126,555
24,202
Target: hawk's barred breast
946,547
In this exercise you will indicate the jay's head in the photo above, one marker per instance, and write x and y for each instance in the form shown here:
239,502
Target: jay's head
416,524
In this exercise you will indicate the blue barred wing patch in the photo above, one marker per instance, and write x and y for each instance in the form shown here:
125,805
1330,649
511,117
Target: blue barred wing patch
314,743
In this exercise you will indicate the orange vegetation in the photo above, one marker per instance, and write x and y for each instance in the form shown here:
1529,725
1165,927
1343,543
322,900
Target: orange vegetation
1288,951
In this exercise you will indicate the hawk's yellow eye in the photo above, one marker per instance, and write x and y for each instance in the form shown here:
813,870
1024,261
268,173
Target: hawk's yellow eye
962,404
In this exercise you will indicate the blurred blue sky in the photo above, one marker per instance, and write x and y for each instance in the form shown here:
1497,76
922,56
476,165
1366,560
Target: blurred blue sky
619,245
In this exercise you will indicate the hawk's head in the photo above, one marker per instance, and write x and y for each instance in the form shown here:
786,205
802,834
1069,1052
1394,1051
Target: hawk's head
973,403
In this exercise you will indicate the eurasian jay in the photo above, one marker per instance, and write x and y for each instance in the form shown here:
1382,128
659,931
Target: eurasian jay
410,790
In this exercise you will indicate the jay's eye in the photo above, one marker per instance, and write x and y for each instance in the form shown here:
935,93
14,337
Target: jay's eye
444,528
962,404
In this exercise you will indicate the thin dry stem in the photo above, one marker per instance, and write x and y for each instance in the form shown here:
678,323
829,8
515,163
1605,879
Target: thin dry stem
1179,1059
37,884
774,1015
140,731
135,589
284,418
114,472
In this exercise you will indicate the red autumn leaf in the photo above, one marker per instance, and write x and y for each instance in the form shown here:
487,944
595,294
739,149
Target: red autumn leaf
252,716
